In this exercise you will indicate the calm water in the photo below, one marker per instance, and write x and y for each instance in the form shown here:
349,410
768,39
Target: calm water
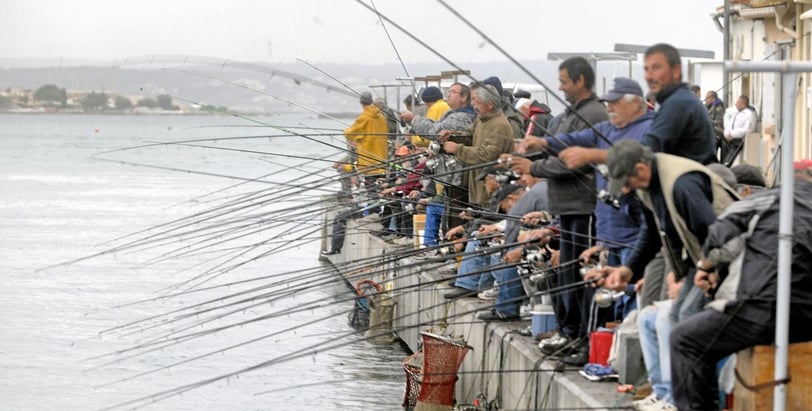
58,203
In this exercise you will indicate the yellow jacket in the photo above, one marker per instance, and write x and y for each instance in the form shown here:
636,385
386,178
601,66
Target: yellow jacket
368,134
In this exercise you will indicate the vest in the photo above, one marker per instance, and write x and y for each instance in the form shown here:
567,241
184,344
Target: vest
669,169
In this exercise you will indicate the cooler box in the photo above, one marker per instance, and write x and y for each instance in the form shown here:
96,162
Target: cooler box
542,319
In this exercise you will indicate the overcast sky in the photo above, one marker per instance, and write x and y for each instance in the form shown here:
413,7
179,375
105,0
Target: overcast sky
342,30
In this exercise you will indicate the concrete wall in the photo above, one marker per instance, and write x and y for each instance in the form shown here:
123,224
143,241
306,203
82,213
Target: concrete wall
503,366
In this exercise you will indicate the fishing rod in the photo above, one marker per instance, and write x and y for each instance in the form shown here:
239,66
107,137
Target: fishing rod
306,351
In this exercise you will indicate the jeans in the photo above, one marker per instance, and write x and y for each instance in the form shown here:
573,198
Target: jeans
576,233
473,263
511,291
690,300
655,330
434,216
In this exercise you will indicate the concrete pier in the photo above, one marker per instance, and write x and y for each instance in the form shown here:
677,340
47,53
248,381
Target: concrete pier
504,366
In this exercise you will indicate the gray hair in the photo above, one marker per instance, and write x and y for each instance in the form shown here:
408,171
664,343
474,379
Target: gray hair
488,94
632,98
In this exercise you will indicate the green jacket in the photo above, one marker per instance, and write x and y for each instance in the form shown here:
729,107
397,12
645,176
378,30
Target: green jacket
492,136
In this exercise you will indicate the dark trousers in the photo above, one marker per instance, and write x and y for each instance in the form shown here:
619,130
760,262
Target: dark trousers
729,149
701,341
340,227
576,233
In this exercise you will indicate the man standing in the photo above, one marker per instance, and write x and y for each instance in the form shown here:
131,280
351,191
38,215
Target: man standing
738,122
742,244
492,136
460,116
368,134
629,119
682,126
716,112
571,193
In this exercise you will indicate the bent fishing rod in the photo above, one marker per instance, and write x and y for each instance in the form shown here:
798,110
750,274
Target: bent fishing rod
334,343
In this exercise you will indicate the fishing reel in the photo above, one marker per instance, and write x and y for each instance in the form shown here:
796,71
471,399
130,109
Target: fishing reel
408,207
609,199
586,268
473,213
604,297
538,255
506,176
435,147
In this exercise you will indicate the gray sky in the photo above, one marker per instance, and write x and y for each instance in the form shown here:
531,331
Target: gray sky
343,31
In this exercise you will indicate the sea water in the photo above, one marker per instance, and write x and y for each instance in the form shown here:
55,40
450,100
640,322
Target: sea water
64,195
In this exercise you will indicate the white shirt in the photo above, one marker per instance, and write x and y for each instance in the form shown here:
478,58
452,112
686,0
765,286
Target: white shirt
739,123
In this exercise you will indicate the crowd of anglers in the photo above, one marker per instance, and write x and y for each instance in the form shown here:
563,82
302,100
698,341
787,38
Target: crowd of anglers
623,192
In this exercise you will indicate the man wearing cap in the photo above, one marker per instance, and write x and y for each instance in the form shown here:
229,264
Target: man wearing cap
572,192
513,117
368,134
616,228
740,257
749,179
454,193
681,126
491,136
682,199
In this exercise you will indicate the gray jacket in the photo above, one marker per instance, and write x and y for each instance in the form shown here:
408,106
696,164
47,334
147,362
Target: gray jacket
571,192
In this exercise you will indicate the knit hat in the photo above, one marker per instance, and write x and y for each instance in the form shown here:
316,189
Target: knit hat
366,98
496,83
431,94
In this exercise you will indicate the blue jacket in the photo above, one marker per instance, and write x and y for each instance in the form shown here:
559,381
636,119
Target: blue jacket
617,228
682,126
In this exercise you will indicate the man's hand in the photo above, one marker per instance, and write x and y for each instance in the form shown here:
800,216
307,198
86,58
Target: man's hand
450,147
706,281
613,278
536,218
532,144
414,194
407,116
586,256
455,232
488,229
443,135
542,235
513,256
520,165
575,157
388,191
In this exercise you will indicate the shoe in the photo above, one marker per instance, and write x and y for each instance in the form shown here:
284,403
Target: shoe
330,252
525,310
494,315
548,334
489,295
554,344
577,359
403,241
642,391
645,402
459,292
658,405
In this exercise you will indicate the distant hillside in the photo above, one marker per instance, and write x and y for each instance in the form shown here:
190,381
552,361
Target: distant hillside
253,87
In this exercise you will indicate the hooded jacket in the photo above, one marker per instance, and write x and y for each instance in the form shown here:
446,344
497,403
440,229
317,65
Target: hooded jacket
369,134
538,119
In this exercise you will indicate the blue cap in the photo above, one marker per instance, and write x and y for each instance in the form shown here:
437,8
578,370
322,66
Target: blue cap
622,86
431,94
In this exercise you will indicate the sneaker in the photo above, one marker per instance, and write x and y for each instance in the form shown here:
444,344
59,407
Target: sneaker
330,252
645,402
403,241
489,295
554,344
494,315
658,405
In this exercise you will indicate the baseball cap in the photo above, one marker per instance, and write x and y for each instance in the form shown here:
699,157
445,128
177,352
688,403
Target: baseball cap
622,86
505,191
620,161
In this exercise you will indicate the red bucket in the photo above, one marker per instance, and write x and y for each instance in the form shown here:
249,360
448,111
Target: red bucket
600,342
